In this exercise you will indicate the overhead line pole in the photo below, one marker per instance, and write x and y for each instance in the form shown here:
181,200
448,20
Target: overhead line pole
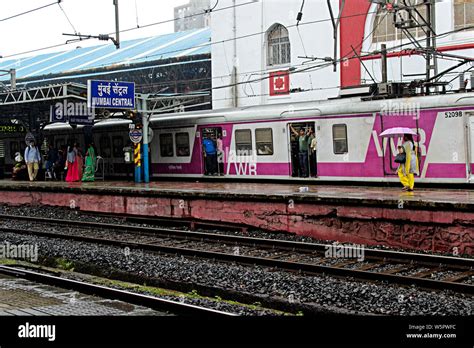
117,26
145,129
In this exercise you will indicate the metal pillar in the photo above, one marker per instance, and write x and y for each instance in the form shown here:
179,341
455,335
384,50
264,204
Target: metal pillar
117,25
12,79
146,160
138,163
384,64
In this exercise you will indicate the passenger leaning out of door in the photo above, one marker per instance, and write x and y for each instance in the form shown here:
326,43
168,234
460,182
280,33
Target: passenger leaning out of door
210,153
303,146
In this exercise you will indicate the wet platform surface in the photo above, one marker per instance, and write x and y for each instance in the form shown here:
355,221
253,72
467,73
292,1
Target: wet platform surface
20,297
426,197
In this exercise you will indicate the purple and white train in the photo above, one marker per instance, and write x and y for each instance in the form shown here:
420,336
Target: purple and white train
258,143
348,143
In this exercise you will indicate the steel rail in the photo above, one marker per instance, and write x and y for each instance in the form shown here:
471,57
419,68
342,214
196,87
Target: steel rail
410,259
155,303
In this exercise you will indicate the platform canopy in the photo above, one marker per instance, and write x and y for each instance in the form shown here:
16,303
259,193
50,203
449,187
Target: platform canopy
174,69
77,61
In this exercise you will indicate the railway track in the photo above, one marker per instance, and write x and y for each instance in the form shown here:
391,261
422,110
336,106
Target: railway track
155,303
404,268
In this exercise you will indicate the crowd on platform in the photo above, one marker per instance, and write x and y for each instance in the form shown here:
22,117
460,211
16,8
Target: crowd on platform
66,163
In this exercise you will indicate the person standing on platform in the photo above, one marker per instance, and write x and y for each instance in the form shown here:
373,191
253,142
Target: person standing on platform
51,159
210,153
89,172
79,160
303,139
32,159
410,167
19,169
71,165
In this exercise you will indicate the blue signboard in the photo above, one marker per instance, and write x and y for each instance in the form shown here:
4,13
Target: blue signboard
110,94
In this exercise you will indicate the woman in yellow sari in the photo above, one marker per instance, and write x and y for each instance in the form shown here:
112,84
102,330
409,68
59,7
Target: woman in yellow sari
406,172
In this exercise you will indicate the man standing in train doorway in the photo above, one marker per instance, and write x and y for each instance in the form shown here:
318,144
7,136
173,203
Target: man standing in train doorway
210,152
303,146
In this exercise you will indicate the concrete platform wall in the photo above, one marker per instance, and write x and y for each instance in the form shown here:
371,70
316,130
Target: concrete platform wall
421,229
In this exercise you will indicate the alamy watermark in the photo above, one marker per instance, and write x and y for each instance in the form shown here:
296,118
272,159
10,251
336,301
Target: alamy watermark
399,108
27,252
345,251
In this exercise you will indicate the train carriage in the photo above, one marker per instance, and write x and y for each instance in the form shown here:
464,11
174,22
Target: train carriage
258,142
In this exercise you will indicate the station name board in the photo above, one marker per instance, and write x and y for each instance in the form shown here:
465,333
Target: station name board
110,94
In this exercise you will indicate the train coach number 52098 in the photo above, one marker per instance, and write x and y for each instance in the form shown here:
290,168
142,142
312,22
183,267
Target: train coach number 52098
451,114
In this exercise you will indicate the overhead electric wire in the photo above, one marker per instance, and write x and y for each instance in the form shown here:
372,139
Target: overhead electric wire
65,15
211,43
30,11
262,32
127,30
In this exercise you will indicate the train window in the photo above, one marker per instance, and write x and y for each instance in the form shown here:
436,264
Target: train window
104,143
339,136
117,143
166,145
2,149
182,144
243,142
264,141
14,148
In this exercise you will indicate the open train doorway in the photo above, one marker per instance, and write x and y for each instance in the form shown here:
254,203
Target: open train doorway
303,149
212,151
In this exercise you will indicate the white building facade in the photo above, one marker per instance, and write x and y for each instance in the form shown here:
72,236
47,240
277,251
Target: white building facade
261,56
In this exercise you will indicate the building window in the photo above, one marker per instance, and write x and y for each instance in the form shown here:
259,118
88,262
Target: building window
339,137
264,141
385,26
166,145
278,45
243,142
182,144
463,13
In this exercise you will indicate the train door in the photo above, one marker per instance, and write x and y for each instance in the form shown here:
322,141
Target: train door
308,168
212,165
470,126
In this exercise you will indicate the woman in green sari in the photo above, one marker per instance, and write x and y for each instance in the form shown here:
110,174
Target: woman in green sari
89,171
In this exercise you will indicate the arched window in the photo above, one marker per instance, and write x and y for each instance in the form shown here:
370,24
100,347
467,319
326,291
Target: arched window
463,13
384,26
278,45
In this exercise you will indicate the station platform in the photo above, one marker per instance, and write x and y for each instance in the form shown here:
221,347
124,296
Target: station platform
440,220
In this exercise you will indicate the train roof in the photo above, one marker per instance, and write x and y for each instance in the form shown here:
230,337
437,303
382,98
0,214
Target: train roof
294,110
341,107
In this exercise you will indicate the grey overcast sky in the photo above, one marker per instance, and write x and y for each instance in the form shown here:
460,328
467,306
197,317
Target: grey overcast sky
45,27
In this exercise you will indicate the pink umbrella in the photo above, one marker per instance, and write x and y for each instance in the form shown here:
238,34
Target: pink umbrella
397,132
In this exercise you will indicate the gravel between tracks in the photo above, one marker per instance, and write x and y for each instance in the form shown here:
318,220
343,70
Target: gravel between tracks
330,293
